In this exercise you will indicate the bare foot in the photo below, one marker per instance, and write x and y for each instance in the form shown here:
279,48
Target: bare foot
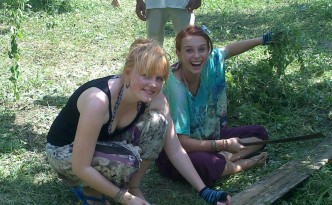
231,157
244,164
255,161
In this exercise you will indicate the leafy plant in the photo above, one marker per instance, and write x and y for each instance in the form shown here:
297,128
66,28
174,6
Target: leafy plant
16,18
52,6
286,49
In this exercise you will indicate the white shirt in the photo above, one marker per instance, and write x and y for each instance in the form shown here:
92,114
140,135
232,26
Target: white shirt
153,4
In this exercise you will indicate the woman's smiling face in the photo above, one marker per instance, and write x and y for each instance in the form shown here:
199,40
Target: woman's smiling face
193,54
145,70
145,87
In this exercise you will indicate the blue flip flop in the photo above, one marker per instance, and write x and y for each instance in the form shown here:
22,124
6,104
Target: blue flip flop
78,191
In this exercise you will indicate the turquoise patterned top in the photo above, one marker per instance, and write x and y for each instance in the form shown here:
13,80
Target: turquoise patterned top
202,115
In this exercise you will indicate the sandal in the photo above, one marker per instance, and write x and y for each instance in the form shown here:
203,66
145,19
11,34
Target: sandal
78,191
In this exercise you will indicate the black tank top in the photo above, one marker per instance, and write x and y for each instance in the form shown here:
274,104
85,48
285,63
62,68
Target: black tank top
63,129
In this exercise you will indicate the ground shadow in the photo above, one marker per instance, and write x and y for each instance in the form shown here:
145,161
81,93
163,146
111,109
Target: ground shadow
33,191
58,101
15,137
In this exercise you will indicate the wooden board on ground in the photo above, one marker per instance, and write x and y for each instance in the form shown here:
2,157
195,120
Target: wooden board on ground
279,182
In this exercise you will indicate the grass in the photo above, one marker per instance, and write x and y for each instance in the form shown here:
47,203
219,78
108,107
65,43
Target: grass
287,88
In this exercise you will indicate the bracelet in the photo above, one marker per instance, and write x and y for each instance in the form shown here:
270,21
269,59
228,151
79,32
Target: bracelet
120,195
215,146
225,145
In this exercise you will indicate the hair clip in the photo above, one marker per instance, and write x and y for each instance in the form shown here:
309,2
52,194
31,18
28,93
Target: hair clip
206,30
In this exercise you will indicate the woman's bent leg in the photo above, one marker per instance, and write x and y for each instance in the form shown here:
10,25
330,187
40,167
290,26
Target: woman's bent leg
244,164
250,133
208,165
149,135
116,161
247,131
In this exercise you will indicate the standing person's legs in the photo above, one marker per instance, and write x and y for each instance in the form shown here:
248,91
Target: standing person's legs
155,24
181,19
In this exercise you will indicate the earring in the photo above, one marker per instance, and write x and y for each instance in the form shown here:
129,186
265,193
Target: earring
128,84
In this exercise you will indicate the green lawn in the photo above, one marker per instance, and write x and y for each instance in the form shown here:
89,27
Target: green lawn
288,88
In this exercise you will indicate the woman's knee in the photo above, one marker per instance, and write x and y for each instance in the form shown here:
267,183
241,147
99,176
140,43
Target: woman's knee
261,132
152,126
150,122
117,161
231,168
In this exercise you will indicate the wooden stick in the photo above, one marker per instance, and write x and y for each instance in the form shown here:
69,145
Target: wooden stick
288,139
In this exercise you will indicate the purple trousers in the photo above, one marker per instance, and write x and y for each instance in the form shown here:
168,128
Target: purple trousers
210,165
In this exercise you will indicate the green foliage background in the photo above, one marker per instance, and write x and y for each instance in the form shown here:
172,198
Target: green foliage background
286,87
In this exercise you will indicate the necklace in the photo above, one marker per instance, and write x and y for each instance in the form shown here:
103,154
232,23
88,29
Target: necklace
186,84
115,109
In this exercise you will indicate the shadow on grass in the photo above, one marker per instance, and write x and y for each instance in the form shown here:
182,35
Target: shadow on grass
26,177
17,137
24,188
22,137
162,191
57,101
8,143
32,183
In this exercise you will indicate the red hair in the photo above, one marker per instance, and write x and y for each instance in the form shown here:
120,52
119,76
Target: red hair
192,31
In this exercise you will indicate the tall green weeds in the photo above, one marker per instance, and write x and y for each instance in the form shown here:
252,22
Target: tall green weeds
15,9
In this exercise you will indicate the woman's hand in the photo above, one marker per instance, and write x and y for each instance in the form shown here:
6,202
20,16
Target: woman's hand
215,197
193,4
227,202
141,10
231,145
129,199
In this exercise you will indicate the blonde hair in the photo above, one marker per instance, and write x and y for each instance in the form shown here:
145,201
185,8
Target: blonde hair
148,58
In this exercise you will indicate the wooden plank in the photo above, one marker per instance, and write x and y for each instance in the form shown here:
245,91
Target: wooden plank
280,181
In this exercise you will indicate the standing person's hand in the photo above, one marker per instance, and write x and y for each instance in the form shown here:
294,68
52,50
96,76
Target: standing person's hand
140,10
193,4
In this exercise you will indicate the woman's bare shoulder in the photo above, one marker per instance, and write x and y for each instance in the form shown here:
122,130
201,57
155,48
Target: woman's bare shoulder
92,99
